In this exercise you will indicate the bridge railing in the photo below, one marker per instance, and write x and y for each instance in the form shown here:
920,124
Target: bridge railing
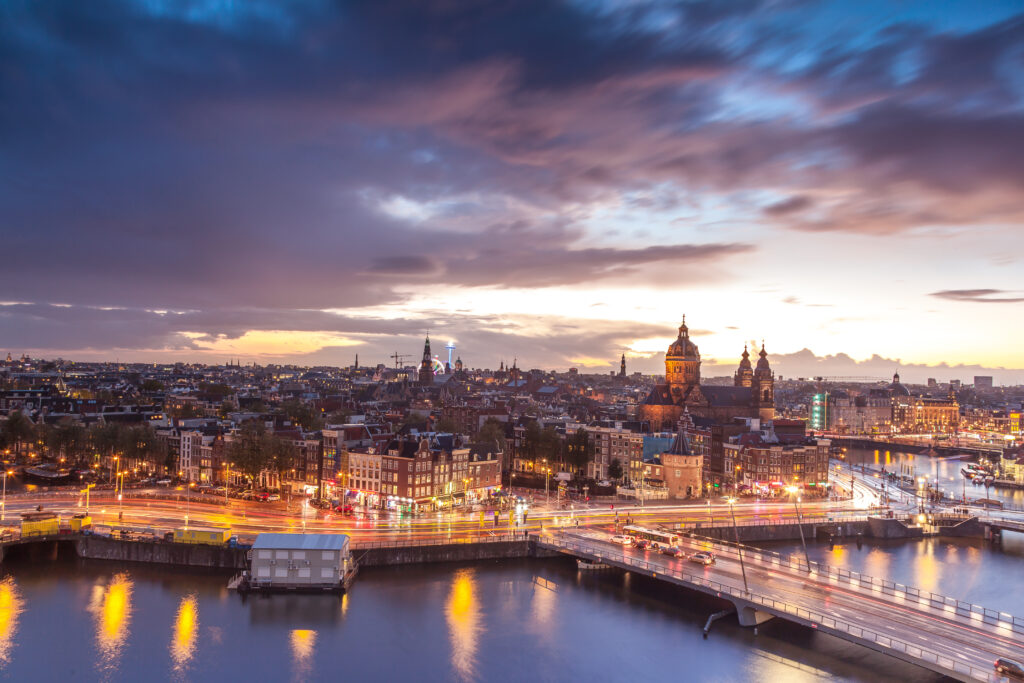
814,618
821,519
925,598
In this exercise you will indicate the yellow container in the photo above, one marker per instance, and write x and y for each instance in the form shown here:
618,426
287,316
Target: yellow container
79,522
202,536
40,527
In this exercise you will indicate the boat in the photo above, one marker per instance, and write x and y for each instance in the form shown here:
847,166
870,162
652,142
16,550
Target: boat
970,474
584,563
47,474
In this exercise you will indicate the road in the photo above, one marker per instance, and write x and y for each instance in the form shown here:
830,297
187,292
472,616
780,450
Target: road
969,641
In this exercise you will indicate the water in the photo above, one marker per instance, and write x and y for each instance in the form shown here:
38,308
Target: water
508,621
945,468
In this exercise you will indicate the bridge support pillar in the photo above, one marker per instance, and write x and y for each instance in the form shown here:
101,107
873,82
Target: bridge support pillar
749,616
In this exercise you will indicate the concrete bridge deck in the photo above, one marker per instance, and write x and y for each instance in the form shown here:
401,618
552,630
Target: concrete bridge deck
944,635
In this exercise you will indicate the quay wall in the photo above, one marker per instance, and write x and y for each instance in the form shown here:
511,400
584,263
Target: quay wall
455,552
160,552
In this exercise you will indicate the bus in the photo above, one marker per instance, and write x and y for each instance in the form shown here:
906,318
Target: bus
658,538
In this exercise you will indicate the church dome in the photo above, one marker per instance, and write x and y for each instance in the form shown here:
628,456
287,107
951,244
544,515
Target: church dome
897,388
763,367
745,359
682,346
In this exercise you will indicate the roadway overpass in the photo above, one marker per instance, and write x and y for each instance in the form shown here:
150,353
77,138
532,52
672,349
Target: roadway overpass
939,633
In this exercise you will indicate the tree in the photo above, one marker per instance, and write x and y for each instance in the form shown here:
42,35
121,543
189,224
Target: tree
66,439
446,424
152,386
282,456
579,450
250,450
550,444
302,414
615,469
17,430
531,440
492,431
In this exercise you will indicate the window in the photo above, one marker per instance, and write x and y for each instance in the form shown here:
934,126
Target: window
266,554
281,554
281,573
298,554
326,573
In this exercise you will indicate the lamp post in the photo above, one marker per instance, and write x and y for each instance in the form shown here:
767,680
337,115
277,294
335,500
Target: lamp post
227,482
3,505
736,532
793,490
86,490
120,495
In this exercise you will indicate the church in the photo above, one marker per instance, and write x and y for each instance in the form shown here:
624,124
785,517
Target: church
752,394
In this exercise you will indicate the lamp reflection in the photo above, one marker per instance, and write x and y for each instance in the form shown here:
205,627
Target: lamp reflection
11,605
111,606
303,641
464,627
183,640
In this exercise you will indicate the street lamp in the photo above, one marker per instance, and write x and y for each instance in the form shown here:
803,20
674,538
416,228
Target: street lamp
3,505
120,495
86,490
736,531
227,482
793,490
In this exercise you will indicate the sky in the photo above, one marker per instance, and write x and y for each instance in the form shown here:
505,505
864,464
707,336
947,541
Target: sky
551,182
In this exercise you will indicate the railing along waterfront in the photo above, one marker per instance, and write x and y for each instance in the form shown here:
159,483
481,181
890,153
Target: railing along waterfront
448,540
815,619
776,522
859,580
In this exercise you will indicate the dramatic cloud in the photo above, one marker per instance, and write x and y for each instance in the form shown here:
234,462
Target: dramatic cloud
247,167
988,296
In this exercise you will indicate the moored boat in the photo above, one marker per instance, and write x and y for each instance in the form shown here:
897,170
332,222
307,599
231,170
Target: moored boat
47,474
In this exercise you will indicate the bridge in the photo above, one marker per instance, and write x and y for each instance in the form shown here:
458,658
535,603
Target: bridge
945,635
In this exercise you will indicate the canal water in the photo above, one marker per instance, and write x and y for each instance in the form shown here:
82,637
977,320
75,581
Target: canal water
80,620
944,469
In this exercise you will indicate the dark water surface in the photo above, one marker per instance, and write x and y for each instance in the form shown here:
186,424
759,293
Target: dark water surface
510,621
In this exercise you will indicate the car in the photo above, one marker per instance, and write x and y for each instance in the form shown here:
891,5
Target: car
164,482
1009,667
641,543
703,557
622,540
343,509
670,551
220,490
320,503
272,498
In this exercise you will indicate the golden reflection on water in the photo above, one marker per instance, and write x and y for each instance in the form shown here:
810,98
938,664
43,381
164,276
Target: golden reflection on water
926,568
183,640
303,641
111,607
464,627
11,605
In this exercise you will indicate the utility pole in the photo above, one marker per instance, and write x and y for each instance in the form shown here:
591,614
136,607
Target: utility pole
739,548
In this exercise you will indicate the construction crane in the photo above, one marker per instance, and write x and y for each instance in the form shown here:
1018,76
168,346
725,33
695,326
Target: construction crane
399,358
855,378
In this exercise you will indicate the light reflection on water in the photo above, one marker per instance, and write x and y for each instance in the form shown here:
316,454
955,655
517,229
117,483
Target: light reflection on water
11,605
303,642
183,640
111,607
464,622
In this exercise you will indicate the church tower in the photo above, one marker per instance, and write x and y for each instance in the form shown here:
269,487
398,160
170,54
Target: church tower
744,376
764,387
458,364
682,364
622,366
426,365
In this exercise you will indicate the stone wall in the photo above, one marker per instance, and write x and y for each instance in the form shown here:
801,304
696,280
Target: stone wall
455,552
161,552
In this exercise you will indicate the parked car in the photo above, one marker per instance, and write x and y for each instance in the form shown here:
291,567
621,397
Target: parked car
344,509
1008,667
320,503
622,540
703,557
164,482
670,551
272,497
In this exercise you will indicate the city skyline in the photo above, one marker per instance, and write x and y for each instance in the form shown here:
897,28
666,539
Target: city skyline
556,183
